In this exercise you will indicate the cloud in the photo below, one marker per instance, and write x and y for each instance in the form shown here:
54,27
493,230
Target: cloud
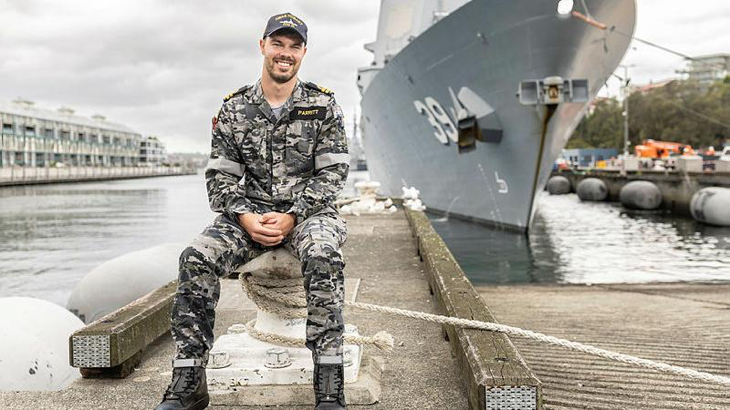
162,67
690,28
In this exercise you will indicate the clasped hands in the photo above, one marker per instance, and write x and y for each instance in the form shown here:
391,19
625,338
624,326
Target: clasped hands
268,229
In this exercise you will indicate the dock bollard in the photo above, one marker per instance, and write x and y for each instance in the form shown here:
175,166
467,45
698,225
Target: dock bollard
558,185
122,280
34,345
592,189
242,358
711,205
640,195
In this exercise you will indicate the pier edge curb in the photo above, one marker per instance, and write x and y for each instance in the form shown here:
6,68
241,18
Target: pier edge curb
491,366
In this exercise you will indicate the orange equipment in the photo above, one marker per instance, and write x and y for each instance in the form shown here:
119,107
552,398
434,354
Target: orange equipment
662,149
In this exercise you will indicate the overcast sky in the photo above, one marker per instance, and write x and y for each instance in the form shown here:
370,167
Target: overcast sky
162,67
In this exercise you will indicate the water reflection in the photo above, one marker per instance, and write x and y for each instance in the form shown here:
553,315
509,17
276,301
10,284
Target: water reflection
51,236
574,242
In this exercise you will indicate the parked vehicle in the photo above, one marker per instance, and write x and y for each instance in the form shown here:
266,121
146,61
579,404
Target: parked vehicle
662,149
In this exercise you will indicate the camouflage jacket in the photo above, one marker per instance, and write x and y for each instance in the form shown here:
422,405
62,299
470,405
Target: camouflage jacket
296,164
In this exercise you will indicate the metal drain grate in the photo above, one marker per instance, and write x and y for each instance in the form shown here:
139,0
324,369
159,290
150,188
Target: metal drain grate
511,398
91,351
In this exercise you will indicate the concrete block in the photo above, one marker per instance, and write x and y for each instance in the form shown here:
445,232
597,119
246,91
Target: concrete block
631,164
689,164
366,390
240,360
722,166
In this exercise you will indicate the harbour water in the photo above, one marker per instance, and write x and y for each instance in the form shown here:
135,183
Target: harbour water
591,242
51,236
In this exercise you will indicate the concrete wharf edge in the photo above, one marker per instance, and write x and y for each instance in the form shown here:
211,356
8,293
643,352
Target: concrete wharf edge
487,360
15,183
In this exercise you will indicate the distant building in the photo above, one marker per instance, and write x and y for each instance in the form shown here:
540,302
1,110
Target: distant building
188,160
152,152
708,69
588,157
651,86
37,137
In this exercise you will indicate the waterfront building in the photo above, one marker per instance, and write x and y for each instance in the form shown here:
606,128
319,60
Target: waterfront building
709,68
152,152
39,137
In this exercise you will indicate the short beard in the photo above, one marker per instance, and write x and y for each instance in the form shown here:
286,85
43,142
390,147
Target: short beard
279,78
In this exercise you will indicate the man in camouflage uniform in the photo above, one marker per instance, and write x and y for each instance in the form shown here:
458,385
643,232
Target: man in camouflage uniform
278,160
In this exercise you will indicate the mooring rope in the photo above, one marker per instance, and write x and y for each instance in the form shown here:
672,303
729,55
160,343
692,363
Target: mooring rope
273,300
286,298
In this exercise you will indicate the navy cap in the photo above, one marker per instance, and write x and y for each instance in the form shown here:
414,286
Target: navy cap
286,21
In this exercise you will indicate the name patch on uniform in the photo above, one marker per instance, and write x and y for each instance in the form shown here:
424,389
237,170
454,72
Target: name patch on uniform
308,113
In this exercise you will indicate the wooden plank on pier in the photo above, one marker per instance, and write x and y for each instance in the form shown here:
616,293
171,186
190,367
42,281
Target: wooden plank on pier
493,369
112,345
683,324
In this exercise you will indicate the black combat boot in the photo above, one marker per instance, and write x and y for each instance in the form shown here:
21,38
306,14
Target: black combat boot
329,387
188,390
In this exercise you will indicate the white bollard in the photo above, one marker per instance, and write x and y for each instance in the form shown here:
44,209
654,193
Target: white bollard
283,265
124,279
239,359
34,347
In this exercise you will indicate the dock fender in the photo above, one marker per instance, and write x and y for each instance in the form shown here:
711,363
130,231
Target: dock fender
711,206
644,195
592,189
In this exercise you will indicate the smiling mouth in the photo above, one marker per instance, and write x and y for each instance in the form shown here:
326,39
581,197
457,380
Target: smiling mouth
284,64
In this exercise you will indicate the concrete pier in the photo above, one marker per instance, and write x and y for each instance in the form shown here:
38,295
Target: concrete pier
435,367
681,324
383,267
676,188
17,176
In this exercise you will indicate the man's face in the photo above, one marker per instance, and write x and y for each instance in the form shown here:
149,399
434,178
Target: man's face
283,54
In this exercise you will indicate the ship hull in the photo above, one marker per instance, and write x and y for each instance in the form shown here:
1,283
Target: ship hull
489,47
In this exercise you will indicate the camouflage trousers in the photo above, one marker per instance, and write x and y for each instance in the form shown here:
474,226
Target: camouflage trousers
224,245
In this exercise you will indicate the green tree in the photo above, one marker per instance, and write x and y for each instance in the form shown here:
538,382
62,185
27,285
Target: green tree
681,111
603,128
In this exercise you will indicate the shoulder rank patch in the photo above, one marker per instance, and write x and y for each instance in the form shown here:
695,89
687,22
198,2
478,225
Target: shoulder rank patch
319,88
308,113
235,93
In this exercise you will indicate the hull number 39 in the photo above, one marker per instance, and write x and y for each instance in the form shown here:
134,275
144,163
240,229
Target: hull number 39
443,127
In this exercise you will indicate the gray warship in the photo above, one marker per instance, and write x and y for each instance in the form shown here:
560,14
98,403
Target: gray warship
472,101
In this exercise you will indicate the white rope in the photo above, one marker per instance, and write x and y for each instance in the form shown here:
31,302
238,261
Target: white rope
495,327
382,340
286,297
